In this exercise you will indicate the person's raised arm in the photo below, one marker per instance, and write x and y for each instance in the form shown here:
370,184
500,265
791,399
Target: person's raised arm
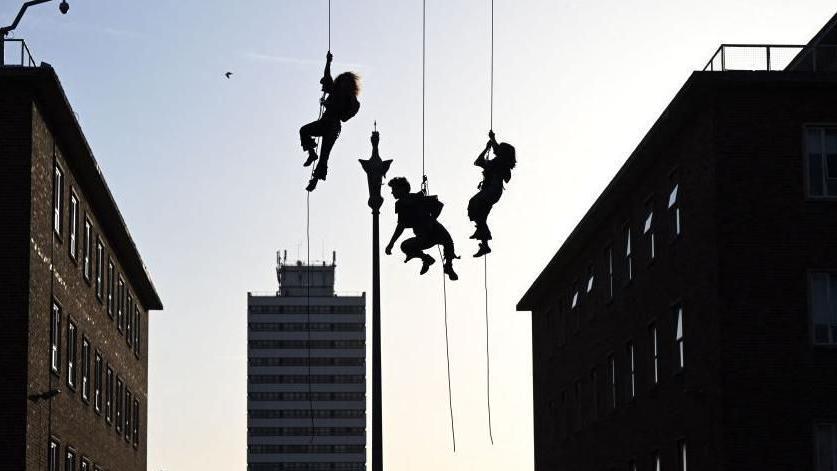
480,162
327,81
399,229
492,141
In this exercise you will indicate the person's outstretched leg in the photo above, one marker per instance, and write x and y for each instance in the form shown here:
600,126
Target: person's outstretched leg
306,137
443,237
329,138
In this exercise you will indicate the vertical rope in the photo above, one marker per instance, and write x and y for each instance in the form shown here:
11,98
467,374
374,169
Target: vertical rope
308,309
487,350
491,93
329,25
485,257
423,86
447,354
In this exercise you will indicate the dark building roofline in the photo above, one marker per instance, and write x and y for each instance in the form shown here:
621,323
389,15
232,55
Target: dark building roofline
58,112
690,98
576,237
824,36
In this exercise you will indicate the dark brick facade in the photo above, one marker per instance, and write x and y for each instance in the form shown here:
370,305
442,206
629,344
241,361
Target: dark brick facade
42,133
753,384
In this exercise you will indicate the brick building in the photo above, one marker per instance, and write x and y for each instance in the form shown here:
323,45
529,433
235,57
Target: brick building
306,374
690,319
74,293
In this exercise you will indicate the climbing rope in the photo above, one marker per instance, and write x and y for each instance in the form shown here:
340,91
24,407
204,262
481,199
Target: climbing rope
425,191
447,355
308,257
487,351
485,257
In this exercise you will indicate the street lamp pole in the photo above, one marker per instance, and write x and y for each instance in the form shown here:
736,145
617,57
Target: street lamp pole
376,169
64,7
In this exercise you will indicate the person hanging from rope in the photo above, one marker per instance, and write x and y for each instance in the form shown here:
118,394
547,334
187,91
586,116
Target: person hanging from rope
420,213
494,173
339,103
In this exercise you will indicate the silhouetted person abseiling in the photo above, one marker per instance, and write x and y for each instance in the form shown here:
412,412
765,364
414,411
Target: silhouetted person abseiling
494,173
419,212
340,105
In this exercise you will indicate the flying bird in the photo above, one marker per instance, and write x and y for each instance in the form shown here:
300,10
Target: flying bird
228,74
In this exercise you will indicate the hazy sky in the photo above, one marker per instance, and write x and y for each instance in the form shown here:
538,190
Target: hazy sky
207,173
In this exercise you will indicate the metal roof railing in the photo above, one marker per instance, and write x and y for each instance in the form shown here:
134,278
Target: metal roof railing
23,59
772,57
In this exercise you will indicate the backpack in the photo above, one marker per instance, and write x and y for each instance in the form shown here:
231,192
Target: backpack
350,109
432,205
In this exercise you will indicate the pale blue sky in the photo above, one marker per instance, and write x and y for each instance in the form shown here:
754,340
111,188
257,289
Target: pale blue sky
207,174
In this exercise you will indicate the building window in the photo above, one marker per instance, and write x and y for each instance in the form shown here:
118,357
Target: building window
590,280
128,414
821,146
53,454
657,466
578,409
111,290
97,383
648,231
609,256
681,455
88,249
629,258
655,354
70,460
137,328
631,351
57,199
109,394
611,381
72,343
120,391
823,289
575,300
594,389
85,464
129,329
100,268
85,369
73,226
826,447
674,210
679,349
55,338
135,413
560,320
120,304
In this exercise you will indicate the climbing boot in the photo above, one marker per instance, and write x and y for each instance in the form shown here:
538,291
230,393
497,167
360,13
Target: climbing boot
426,261
448,268
483,250
312,156
312,184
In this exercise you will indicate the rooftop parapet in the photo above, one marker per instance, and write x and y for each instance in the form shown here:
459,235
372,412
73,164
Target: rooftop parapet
773,58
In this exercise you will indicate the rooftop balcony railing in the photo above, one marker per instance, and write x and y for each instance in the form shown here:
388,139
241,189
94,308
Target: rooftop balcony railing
15,53
773,57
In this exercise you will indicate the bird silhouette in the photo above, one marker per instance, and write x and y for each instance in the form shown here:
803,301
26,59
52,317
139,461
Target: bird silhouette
228,74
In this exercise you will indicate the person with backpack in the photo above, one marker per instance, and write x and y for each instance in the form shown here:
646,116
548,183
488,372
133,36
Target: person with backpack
340,104
420,213
494,173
